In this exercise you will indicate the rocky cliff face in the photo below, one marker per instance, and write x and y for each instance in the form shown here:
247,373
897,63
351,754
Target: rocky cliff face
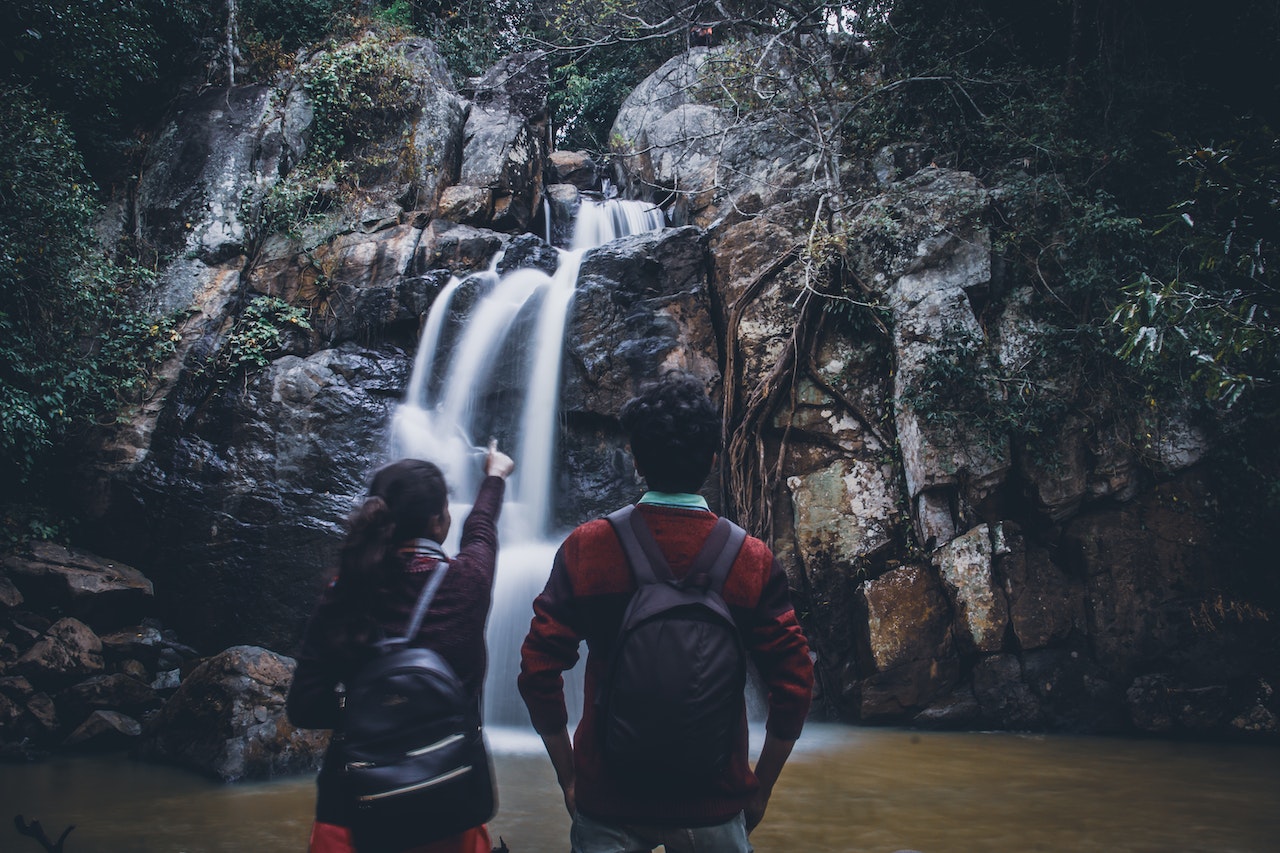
945,576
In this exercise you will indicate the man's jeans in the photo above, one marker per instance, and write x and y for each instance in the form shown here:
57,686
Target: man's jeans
590,836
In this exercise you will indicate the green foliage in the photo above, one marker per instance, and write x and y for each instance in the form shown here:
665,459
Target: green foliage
259,333
358,91
1214,313
585,95
398,13
71,350
1163,260
290,23
107,64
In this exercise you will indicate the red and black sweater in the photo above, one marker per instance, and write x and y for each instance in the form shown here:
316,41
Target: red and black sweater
454,626
584,599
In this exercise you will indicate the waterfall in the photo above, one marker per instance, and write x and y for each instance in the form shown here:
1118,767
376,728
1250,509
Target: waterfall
488,366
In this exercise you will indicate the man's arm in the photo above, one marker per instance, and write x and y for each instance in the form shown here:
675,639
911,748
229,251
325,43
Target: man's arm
773,755
550,648
781,654
560,750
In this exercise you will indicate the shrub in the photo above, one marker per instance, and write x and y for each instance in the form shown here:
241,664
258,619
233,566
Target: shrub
71,349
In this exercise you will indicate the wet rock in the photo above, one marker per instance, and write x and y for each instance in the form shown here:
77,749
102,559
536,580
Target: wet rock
959,709
1073,691
1142,563
1261,714
458,248
40,718
352,282
467,205
907,617
965,566
574,168
68,651
103,592
505,139
642,307
133,669
227,719
844,512
148,644
10,596
1045,603
1158,703
15,688
104,730
1005,699
26,713
564,201
115,692
529,252
170,679
9,713
907,649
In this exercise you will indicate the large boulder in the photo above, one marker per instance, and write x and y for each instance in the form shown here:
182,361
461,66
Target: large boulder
1046,604
197,171
101,592
228,720
1143,567
642,307
925,243
965,564
672,139
907,654
243,503
69,650
505,141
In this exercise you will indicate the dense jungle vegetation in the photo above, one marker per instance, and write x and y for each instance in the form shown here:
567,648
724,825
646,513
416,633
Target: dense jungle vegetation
1133,145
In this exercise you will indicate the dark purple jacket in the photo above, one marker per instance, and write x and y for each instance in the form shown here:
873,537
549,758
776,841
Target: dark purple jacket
454,627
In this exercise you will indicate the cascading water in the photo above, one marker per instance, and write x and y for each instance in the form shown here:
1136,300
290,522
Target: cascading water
488,366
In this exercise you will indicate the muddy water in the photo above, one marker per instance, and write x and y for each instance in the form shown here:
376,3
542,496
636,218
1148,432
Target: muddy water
845,789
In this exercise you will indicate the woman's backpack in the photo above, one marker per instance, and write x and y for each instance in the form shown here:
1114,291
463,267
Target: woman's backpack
415,766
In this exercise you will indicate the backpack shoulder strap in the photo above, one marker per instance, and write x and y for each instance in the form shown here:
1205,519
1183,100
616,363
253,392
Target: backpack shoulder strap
711,567
424,601
641,549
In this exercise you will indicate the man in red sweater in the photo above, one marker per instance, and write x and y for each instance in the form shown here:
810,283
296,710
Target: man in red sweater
674,432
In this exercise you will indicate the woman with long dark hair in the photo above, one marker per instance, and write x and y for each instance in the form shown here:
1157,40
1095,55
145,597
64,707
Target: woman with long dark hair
390,552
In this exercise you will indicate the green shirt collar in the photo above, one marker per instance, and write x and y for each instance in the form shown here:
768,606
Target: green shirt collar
680,499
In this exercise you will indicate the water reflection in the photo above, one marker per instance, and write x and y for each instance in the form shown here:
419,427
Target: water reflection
845,789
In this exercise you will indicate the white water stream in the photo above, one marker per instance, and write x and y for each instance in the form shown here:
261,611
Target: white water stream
488,366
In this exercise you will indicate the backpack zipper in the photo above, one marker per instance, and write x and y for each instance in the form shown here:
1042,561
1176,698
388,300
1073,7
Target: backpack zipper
451,739
408,789
440,744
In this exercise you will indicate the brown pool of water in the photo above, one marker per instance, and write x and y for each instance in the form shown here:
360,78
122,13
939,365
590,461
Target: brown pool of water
845,789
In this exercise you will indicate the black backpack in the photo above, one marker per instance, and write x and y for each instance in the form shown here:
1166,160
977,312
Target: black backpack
673,695
415,766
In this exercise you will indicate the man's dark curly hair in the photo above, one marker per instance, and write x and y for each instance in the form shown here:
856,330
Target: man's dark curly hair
675,432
